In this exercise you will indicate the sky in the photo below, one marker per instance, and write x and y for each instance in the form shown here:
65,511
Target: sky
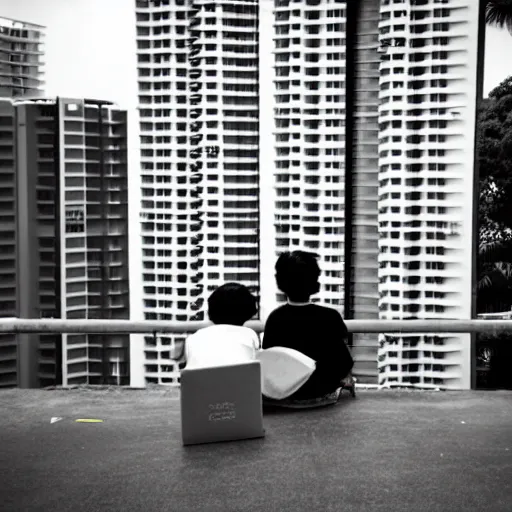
90,46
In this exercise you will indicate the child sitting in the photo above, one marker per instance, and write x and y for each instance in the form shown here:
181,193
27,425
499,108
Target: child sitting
317,331
227,342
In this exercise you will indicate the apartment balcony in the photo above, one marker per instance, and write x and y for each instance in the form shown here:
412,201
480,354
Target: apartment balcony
26,40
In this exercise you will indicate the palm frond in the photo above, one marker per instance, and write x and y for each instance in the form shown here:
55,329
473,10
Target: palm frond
497,280
495,250
484,282
488,247
505,269
499,14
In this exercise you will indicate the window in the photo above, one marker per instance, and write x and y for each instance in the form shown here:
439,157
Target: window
75,219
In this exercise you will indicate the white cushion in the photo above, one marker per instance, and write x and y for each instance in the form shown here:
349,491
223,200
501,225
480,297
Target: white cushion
283,371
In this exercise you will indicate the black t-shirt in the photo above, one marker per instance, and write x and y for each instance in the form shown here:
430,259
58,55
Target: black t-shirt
318,332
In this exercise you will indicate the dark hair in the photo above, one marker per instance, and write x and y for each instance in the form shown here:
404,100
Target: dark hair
297,274
231,303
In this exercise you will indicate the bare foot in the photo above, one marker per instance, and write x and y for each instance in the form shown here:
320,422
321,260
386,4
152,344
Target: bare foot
348,381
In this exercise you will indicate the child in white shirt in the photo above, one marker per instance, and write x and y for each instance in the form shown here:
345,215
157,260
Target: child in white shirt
227,341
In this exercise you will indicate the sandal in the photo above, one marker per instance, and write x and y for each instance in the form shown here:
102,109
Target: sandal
348,383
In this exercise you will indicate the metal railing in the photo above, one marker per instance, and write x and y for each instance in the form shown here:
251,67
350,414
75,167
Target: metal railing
505,315
28,352
35,326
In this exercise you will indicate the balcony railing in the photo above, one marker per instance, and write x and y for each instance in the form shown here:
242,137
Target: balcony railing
35,326
439,358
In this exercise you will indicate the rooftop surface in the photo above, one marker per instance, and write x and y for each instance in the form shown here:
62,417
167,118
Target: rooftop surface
385,450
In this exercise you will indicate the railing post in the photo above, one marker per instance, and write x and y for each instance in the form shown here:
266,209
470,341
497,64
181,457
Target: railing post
28,360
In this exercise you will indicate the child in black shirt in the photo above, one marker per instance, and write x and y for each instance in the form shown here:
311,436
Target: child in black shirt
317,331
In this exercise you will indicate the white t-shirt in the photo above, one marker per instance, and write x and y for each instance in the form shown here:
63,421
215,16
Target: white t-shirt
221,345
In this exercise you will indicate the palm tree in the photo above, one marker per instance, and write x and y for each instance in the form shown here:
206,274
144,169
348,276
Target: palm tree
498,13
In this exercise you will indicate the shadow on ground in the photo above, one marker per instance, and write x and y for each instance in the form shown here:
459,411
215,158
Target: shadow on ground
383,451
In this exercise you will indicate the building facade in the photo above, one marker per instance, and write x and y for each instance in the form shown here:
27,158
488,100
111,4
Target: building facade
21,73
198,104
348,133
319,152
309,84
427,120
21,53
69,215
8,267
362,182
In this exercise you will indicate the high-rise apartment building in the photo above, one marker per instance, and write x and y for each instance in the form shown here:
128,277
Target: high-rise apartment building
319,152
21,52
283,150
309,84
427,119
199,125
351,126
8,270
65,201
411,67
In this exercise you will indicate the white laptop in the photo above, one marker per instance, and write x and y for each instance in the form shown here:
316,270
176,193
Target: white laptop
222,403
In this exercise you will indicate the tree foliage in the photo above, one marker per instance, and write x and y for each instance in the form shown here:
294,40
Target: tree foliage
494,146
494,276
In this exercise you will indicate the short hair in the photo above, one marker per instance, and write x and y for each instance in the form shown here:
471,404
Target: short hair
297,274
231,303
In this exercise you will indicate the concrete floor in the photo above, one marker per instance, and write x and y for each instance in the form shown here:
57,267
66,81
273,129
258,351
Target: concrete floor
383,451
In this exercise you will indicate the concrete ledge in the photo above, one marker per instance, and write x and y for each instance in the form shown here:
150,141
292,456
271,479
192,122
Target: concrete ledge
385,450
